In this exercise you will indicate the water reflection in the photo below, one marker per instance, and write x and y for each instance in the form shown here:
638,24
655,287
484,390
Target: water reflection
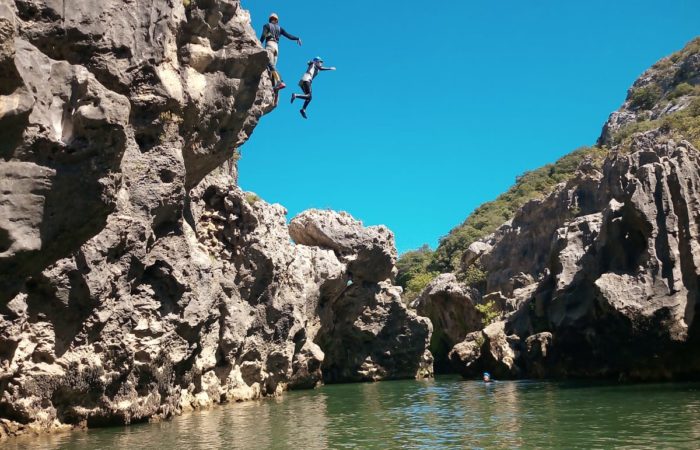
446,413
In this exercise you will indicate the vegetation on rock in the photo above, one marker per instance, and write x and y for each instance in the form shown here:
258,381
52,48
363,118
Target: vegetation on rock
489,216
251,198
489,310
682,124
645,97
473,276
668,99
414,274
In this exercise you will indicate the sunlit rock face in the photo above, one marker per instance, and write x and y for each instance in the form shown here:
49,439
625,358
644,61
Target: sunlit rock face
136,279
124,118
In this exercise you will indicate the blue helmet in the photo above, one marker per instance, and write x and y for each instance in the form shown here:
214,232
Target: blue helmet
486,374
318,59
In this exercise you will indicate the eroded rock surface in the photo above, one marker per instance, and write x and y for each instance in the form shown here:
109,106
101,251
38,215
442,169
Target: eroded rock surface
367,331
102,119
601,277
370,252
136,279
451,307
662,90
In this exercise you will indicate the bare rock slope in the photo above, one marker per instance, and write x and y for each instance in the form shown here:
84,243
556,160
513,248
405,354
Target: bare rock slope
136,279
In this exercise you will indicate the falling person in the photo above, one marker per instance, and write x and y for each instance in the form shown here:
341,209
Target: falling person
314,67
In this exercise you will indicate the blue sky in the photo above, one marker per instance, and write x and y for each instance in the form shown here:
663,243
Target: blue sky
436,107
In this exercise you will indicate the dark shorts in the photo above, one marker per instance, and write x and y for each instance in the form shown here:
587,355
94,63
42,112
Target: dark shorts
305,86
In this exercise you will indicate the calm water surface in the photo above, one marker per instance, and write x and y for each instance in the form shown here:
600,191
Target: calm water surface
444,413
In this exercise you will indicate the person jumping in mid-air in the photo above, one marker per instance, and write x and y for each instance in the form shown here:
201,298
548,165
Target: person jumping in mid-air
314,67
270,38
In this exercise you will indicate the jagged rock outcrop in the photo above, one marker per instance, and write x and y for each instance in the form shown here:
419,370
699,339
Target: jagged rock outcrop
367,331
489,349
519,250
136,280
370,253
618,294
474,252
99,119
131,327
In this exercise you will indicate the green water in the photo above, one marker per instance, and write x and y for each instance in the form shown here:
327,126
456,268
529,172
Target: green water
444,413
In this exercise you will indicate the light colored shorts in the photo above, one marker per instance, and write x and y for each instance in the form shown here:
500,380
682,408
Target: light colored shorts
272,51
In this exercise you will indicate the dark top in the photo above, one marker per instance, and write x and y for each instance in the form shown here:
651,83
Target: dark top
272,32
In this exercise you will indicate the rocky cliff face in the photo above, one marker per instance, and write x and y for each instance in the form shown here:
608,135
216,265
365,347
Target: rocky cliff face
125,117
617,294
601,277
452,309
136,279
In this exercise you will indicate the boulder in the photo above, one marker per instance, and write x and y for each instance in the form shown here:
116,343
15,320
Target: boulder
306,367
366,331
474,252
490,349
369,252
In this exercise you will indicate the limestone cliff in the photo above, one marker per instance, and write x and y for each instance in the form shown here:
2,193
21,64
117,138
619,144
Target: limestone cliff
610,290
136,279
599,278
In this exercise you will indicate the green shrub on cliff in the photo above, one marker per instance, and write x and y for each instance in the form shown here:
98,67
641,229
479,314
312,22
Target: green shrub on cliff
487,217
251,198
416,284
413,274
645,97
489,312
683,124
474,276
412,263
681,90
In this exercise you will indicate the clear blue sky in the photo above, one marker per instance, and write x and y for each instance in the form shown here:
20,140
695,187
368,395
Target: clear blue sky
436,107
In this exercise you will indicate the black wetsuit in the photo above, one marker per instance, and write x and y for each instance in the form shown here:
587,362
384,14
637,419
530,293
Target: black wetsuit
305,83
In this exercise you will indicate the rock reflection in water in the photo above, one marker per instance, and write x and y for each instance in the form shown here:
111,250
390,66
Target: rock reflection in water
443,413
276,423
